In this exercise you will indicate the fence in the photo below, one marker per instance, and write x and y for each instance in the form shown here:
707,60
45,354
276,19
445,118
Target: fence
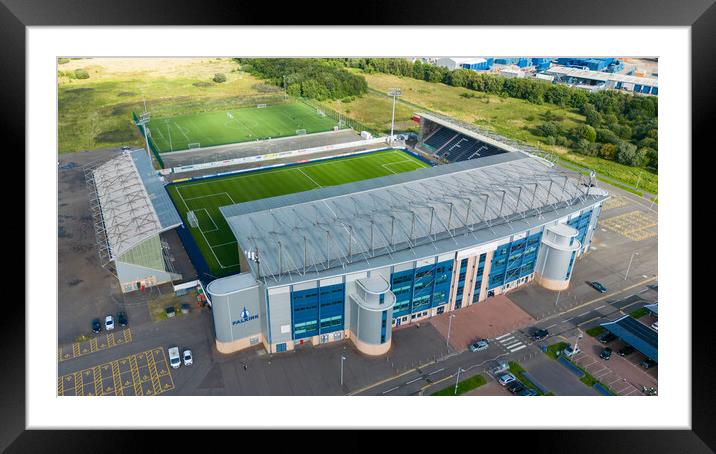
350,122
152,146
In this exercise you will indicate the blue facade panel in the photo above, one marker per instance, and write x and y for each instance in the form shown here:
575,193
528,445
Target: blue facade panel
514,260
317,311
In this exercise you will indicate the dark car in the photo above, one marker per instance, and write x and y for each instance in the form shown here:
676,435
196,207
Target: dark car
648,363
539,334
125,147
96,326
122,318
171,312
627,349
606,338
515,387
527,392
606,353
598,287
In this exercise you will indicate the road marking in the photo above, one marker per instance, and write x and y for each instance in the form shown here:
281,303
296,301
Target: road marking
435,372
414,380
504,335
391,389
552,325
518,348
582,314
513,344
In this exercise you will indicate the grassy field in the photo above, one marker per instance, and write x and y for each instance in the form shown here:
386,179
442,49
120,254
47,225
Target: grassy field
237,125
96,112
513,118
375,112
213,235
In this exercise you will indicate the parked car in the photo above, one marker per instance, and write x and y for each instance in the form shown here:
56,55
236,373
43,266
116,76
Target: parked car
648,363
625,350
527,392
125,148
506,379
171,312
655,326
539,334
606,353
606,338
122,318
479,346
570,351
515,387
96,326
598,287
174,359
188,359
109,322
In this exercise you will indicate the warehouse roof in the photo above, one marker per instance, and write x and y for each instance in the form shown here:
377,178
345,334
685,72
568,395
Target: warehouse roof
402,217
129,202
602,76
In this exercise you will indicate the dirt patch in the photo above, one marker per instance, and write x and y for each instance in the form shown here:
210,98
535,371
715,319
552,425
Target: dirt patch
118,135
80,90
126,93
203,84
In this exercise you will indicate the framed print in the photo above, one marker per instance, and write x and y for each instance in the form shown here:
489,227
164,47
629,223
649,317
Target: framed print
324,226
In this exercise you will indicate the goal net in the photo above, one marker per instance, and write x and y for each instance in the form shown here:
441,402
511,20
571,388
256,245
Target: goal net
320,112
193,221
261,106
193,145
300,132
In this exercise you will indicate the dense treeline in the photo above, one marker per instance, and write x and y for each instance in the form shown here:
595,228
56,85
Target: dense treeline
308,77
619,126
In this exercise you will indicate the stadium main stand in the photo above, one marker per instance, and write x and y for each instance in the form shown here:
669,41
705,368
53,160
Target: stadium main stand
454,146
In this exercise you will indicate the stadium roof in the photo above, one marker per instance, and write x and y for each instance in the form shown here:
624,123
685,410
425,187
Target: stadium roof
636,334
398,218
602,76
129,202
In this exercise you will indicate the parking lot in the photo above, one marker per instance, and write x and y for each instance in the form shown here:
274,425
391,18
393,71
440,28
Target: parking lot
95,344
142,374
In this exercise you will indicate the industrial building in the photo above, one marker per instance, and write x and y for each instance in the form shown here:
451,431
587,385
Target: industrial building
356,260
599,80
475,64
131,211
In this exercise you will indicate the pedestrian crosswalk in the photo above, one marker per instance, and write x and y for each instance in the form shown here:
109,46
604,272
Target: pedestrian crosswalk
510,342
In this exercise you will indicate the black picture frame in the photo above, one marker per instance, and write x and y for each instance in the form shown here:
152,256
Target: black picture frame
16,15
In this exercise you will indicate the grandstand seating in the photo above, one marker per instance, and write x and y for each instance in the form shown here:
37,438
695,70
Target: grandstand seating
453,146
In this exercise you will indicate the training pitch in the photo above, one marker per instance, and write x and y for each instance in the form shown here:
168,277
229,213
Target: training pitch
239,125
213,235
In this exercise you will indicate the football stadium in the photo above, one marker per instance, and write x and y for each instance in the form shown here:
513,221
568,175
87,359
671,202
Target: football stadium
338,240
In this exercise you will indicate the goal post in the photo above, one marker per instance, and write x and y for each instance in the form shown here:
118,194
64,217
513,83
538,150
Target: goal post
261,106
300,132
191,217
193,145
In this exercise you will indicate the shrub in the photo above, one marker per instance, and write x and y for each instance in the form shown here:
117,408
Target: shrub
81,74
219,78
62,61
586,132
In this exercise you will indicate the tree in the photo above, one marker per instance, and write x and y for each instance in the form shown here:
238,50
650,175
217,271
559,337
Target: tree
550,128
606,136
627,154
608,151
219,78
586,132
81,74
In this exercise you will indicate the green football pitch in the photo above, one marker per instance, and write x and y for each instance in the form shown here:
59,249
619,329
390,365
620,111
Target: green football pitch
233,126
213,235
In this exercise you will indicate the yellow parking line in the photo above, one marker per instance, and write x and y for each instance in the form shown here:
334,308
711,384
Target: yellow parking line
75,349
118,389
93,345
153,373
60,386
79,386
97,376
110,340
135,375
128,335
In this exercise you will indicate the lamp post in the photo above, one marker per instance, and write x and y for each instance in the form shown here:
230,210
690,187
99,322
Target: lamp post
576,341
343,358
626,275
460,369
557,301
447,342
394,92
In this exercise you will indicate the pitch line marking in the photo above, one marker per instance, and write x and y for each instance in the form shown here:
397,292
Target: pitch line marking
306,175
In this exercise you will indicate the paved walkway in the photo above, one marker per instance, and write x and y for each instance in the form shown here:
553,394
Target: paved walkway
492,318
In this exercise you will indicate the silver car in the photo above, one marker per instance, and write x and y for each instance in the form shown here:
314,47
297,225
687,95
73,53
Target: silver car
479,346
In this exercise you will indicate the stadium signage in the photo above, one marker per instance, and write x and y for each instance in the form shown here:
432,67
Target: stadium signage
245,317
